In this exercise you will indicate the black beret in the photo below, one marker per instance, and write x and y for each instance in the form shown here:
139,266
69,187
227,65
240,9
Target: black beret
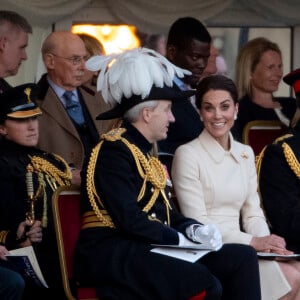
19,102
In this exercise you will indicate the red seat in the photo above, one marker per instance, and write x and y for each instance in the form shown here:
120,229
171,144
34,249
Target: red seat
67,219
260,133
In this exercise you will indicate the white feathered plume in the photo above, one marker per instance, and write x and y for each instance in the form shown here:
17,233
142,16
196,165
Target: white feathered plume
132,72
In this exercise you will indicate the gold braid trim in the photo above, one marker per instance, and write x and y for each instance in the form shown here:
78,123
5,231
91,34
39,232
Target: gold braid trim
60,177
149,169
3,235
259,157
291,159
47,172
91,189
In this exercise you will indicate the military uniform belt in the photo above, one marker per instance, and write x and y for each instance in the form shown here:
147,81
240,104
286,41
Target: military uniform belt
90,220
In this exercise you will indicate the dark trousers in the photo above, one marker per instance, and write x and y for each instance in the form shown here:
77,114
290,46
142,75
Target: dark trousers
11,285
231,273
236,267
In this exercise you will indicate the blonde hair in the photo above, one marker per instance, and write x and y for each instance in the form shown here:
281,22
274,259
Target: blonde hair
247,60
93,45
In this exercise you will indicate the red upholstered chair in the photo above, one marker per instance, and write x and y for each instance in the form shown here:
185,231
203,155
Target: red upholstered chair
200,296
66,211
260,133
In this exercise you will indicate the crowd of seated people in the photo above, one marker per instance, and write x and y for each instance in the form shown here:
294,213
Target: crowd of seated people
126,205
50,131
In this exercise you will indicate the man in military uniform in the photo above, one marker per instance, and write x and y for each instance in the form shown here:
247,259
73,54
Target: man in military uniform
126,206
28,177
279,177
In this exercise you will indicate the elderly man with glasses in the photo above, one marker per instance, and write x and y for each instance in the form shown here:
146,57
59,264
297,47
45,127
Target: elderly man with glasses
67,126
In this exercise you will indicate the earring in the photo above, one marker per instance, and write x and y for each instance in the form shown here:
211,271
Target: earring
235,117
201,119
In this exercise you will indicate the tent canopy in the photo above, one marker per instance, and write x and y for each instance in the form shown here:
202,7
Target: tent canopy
157,15
148,16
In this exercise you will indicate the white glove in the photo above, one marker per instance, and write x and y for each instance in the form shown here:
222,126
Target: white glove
208,235
183,241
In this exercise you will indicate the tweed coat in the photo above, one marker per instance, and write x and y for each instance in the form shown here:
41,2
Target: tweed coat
58,134
217,186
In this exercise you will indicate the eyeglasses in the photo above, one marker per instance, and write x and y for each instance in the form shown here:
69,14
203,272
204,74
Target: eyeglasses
75,60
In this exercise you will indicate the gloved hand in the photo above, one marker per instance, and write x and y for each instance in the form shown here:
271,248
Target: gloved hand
208,235
183,241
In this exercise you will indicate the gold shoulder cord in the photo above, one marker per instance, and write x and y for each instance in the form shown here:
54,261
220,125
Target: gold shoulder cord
46,172
291,159
259,157
149,169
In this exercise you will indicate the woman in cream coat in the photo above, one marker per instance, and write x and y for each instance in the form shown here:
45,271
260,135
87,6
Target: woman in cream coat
215,182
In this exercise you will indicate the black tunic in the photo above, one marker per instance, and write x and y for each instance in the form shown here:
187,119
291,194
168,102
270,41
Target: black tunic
118,259
14,159
250,111
279,186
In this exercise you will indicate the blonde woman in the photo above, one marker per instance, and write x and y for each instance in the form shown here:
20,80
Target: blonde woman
258,74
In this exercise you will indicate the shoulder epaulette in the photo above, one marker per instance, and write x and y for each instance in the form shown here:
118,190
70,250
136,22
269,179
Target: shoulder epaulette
113,135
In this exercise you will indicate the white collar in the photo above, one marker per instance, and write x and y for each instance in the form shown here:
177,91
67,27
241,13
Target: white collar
217,152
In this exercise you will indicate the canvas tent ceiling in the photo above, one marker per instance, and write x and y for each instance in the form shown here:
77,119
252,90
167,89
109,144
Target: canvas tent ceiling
148,16
157,15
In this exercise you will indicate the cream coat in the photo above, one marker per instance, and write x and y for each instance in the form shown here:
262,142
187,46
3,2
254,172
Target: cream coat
214,186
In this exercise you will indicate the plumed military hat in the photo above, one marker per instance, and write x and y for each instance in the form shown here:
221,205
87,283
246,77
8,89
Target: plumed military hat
133,77
293,79
19,102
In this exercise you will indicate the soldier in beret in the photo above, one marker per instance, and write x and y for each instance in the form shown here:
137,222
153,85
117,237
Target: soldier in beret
126,204
279,177
28,177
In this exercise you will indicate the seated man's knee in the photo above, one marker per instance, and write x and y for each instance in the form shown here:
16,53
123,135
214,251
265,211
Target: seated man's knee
19,283
215,291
